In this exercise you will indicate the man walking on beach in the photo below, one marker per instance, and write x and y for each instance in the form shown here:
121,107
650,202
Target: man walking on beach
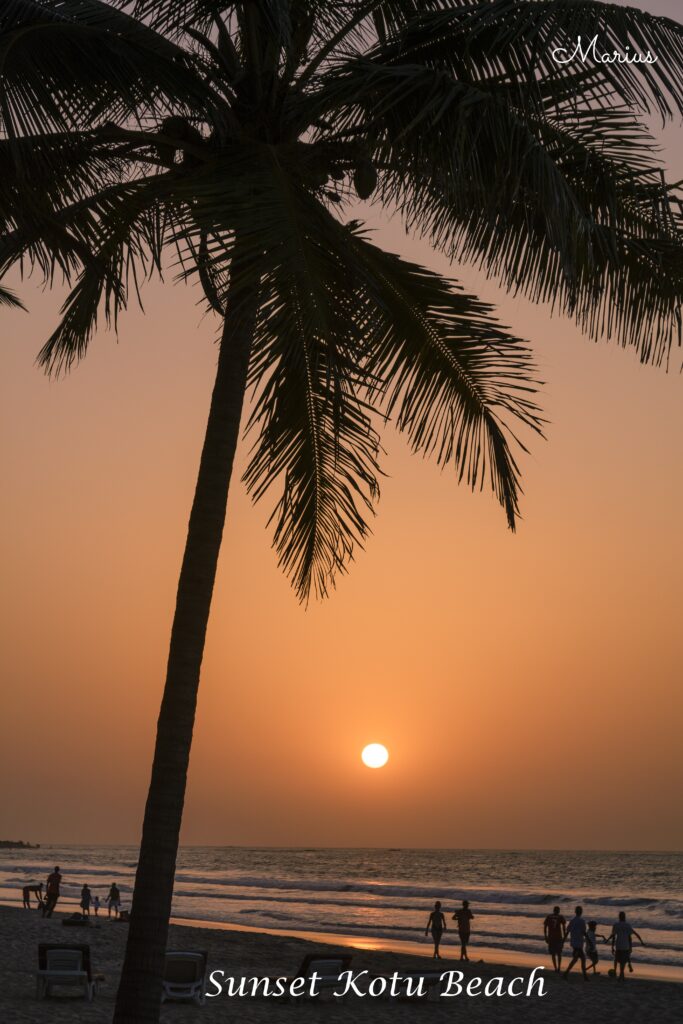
576,929
51,892
621,939
463,917
555,932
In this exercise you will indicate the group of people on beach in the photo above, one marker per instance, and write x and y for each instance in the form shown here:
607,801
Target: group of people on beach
47,901
583,938
437,926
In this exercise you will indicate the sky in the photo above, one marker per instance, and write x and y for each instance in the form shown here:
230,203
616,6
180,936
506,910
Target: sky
527,686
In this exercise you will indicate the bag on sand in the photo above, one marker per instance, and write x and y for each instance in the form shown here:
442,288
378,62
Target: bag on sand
75,921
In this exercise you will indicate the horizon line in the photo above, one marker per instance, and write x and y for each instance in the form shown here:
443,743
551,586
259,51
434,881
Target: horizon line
308,846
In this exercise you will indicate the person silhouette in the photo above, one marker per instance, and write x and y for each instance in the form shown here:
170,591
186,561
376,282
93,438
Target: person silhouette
437,926
463,917
622,941
554,933
592,945
51,893
114,900
576,929
37,891
86,897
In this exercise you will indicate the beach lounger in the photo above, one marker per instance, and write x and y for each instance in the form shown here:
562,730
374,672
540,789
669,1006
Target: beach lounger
328,967
185,977
431,985
62,964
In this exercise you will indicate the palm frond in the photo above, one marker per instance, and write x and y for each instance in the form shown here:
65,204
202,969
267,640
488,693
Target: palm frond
8,298
74,64
123,232
315,436
45,173
555,200
459,385
517,40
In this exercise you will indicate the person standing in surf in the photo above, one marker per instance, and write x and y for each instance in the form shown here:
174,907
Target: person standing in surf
437,926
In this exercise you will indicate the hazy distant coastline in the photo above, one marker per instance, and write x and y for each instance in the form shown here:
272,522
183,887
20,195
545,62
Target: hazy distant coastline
17,844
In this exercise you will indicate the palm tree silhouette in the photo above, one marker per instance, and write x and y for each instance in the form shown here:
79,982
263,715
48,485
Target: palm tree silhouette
237,136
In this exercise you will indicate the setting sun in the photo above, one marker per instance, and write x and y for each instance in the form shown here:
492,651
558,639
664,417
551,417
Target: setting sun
375,755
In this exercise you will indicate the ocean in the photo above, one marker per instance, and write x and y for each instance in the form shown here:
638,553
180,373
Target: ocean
386,895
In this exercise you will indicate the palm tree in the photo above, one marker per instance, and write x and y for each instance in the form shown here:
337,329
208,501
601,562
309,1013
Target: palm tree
237,136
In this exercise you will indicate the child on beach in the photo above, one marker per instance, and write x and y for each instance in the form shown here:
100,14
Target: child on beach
96,904
437,925
592,945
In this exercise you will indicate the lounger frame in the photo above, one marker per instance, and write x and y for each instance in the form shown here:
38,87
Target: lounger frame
186,991
66,964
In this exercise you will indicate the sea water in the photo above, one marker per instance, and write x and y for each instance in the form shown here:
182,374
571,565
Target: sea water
386,895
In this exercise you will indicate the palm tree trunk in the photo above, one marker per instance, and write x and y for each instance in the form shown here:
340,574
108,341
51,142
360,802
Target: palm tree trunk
139,995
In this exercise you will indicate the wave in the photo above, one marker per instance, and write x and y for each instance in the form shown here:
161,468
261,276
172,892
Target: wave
29,870
512,897
514,902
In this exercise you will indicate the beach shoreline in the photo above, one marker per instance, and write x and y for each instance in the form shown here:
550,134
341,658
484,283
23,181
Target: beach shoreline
421,949
500,957
256,953
505,958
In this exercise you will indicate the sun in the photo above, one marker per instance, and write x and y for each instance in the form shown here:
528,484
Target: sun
375,755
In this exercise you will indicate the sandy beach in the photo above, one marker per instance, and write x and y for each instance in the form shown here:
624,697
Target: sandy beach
255,954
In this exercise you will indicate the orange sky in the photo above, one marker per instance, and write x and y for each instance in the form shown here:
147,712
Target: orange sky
527,686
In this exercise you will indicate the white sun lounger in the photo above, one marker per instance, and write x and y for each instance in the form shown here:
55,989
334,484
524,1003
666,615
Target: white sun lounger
431,985
327,967
64,965
185,977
